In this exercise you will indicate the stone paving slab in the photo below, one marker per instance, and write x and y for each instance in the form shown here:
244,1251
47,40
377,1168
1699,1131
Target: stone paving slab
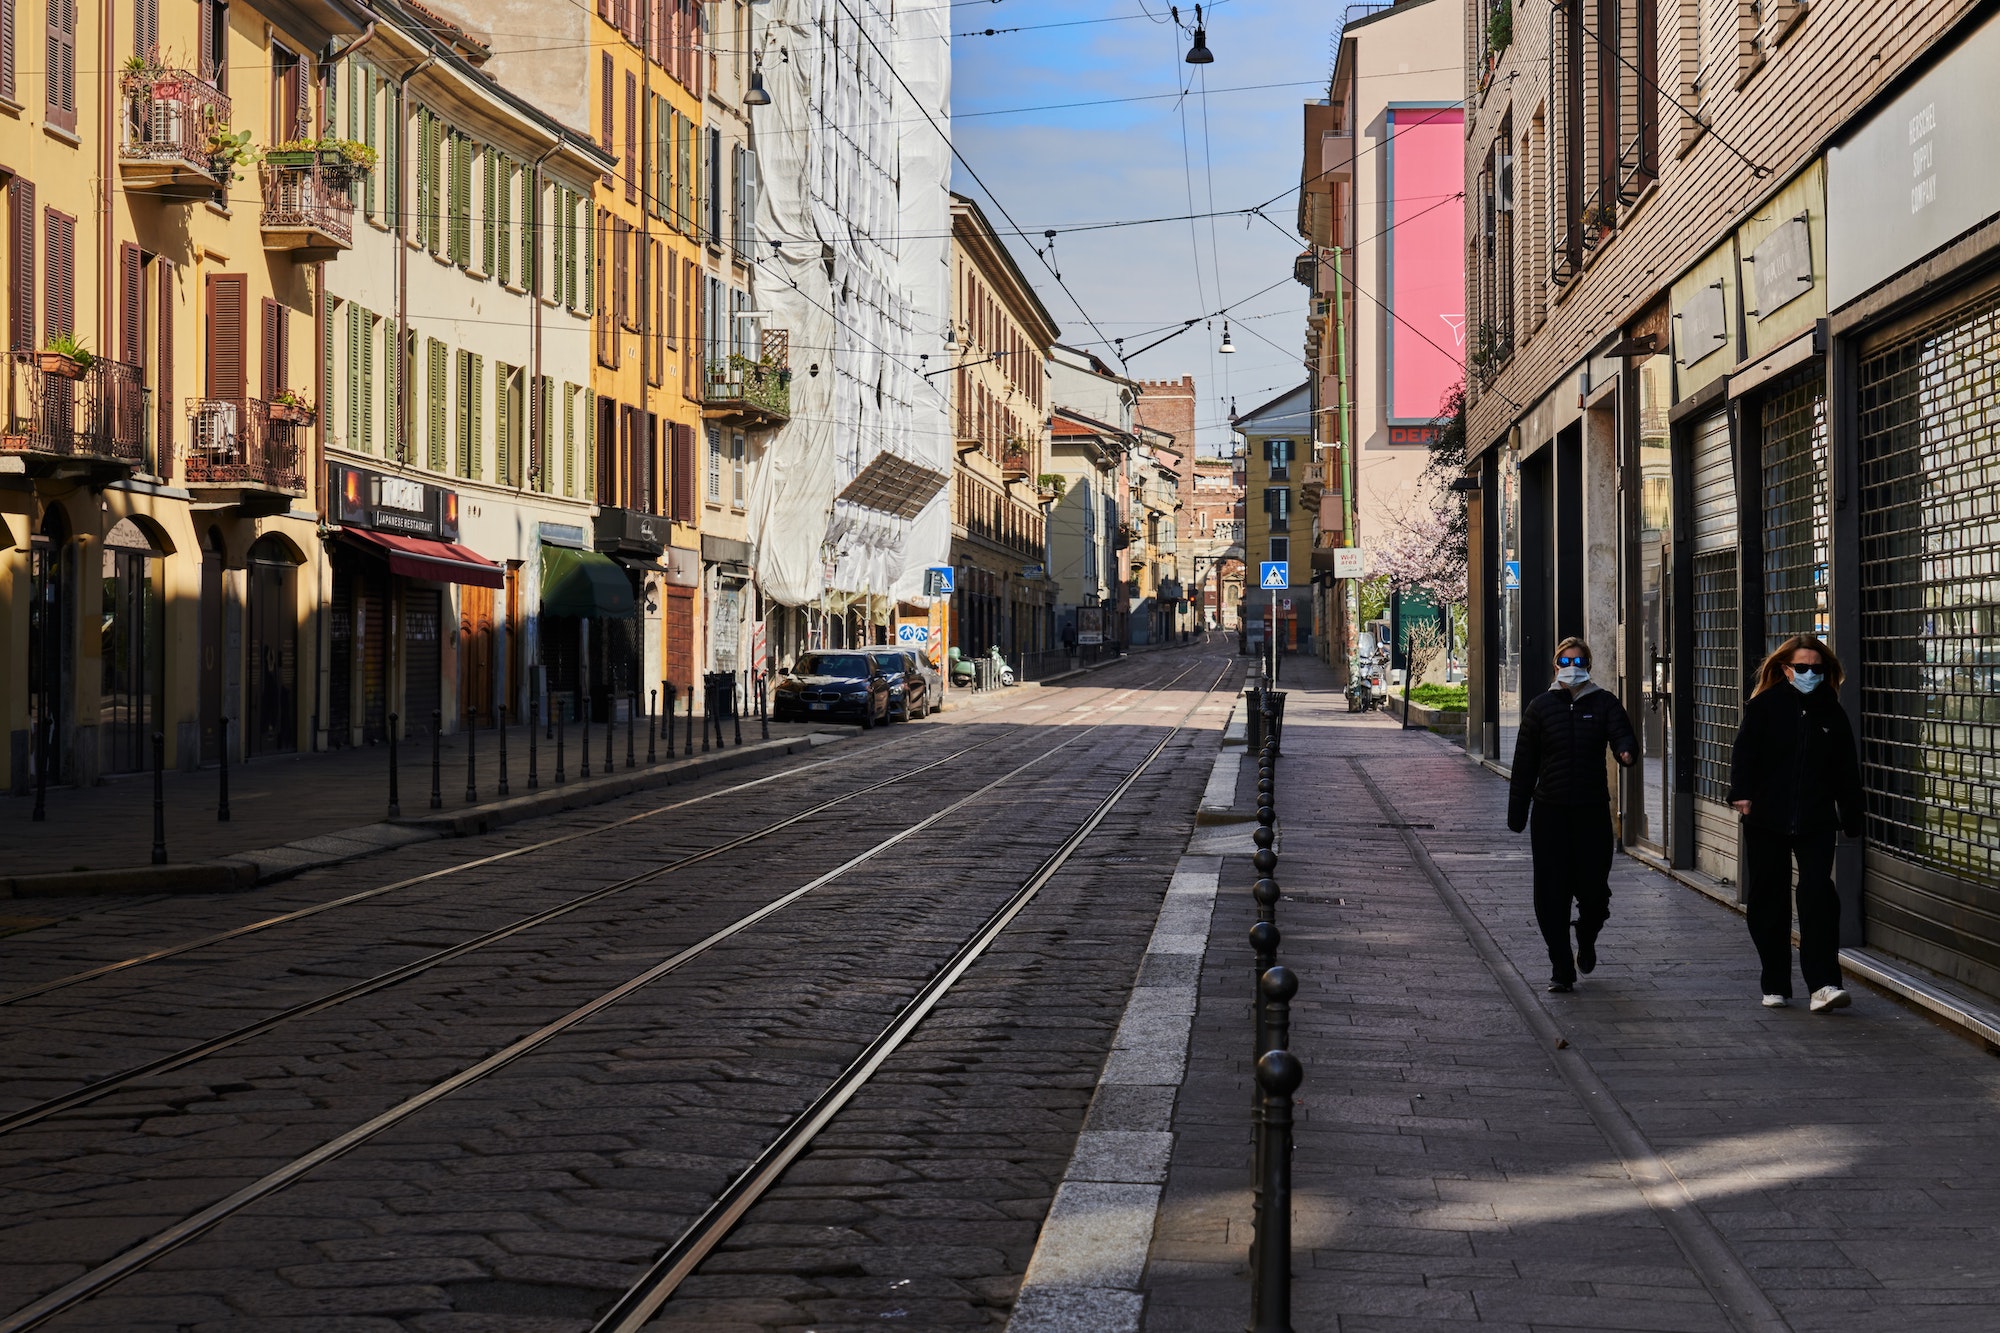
1448,1174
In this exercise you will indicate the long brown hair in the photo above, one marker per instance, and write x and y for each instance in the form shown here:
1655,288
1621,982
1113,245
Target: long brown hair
1772,673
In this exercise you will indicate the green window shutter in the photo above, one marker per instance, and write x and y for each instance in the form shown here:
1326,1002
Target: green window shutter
477,431
530,215
353,99
488,162
545,422
326,368
384,162
569,248
357,402
589,259
589,445
333,101
465,414
463,184
430,204
569,439
435,392
503,421
392,178
367,382
504,243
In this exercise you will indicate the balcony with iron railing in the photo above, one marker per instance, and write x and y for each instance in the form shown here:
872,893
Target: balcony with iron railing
740,391
252,448
308,210
61,419
1014,463
176,133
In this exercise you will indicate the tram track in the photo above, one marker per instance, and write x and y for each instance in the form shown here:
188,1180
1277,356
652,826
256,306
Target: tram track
107,1274
100,1088
495,858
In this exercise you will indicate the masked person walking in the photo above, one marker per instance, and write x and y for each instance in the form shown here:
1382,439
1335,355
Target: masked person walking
1559,777
1795,780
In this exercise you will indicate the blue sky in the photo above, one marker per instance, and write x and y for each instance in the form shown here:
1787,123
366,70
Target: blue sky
1062,165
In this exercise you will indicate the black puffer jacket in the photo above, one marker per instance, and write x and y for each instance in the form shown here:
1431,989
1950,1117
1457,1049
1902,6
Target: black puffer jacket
1795,763
1559,758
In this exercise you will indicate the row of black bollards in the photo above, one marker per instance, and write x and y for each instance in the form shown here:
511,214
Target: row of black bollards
1278,1072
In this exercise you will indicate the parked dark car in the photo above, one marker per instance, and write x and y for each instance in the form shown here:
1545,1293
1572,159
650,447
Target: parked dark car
850,684
909,691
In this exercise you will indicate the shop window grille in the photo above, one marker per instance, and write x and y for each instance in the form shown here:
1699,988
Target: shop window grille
1930,592
1795,523
1718,691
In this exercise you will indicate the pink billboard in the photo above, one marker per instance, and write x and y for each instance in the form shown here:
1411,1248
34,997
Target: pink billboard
1426,239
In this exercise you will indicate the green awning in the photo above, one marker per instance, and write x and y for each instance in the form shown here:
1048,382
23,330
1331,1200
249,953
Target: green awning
584,583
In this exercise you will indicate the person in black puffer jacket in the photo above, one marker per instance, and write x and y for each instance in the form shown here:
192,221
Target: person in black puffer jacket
1795,780
1559,775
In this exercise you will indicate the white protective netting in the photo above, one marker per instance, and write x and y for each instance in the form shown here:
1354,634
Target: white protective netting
856,198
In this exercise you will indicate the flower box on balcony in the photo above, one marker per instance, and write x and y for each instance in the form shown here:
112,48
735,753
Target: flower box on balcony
292,414
13,442
61,364
295,158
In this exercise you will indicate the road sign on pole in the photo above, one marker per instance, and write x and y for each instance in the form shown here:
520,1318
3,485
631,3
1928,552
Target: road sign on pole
1273,574
938,581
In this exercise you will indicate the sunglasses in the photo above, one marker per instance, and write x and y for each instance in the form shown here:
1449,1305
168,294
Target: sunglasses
1573,661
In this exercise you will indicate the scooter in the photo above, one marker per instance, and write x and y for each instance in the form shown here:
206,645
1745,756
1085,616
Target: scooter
1002,671
1369,687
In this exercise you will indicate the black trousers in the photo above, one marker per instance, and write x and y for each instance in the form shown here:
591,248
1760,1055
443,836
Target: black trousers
1767,894
1573,848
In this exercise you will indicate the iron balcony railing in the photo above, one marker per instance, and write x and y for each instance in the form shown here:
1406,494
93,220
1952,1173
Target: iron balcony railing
234,443
170,116
102,415
738,380
308,200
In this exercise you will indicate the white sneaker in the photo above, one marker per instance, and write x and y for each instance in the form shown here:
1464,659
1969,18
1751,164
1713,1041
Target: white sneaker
1829,997
1775,1001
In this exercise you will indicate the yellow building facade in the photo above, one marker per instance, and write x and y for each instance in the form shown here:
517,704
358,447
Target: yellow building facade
160,565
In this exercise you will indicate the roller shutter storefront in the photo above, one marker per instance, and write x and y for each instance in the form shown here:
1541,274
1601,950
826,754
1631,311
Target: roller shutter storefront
1793,429
1930,639
1716,677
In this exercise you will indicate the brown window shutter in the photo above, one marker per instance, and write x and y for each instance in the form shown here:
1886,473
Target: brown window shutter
131,305
631,163
21,264
673,286
277,346
693,57
8,18
606,74
228,317
163,375
59,280
59,79
207,51
683,473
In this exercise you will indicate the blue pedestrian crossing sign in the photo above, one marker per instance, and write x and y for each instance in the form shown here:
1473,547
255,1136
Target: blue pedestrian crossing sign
1511,578
913,636
938,581
1273,575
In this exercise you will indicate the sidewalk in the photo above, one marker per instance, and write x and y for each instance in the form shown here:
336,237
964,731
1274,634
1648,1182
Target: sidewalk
1654,1152
326,807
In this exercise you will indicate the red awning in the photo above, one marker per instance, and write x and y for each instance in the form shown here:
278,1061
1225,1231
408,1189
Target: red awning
420,558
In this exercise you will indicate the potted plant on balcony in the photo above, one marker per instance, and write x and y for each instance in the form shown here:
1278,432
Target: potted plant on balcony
227,153
345,160
1051,486
292,408
294,153
64,356
1598,220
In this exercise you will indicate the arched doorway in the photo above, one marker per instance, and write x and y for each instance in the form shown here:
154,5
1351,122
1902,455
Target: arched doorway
50,658
130,706
272,648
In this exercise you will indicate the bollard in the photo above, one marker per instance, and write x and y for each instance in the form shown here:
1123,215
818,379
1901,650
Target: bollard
1264,941
690,724
631,728
763,710
471,776
437,760
222,804
395,804
707,708
159,799
583,742
667,715
1278,1075
652,706
610,730
40,813
735,711
561,714
534,780
500,724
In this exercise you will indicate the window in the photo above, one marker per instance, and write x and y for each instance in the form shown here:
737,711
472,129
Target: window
630,167
502,262
214,48
1278,453
714,466
712,232
458,201
1278,504
1281,548
738,496
569,439
60,83
59,274
289,90
435,398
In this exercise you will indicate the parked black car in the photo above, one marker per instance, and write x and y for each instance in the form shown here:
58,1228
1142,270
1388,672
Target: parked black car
851,684
909,691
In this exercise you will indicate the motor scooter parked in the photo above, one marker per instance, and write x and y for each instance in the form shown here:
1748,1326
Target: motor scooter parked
1369,687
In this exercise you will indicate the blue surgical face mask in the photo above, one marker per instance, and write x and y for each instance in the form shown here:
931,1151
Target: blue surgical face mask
1804,680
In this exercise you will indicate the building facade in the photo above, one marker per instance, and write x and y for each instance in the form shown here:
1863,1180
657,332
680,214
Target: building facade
1732,318
1090,400
161,569
1275,437
1213,534
1003,595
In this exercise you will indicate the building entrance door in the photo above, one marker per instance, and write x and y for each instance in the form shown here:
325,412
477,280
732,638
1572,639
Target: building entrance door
272,726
